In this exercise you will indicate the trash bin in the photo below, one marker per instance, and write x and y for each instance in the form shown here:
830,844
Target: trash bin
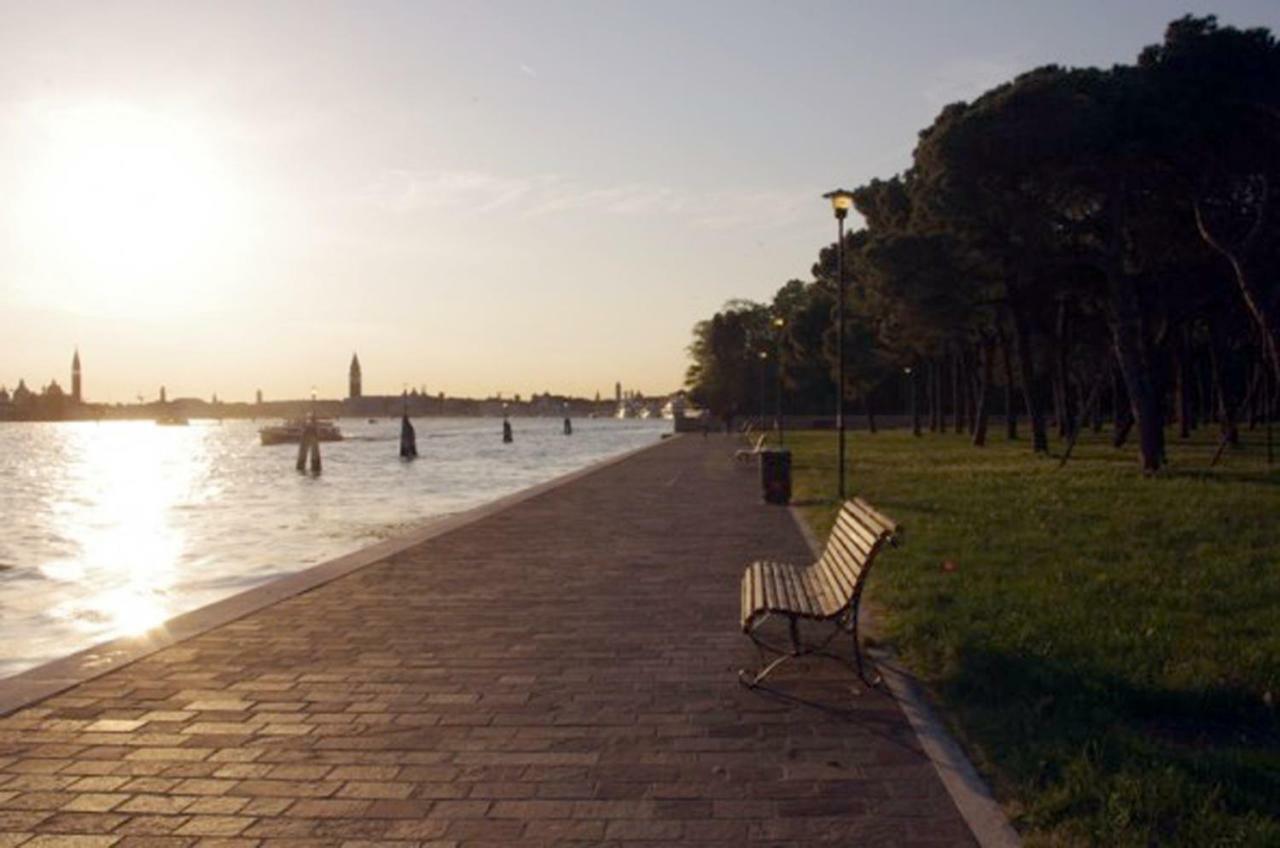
775,476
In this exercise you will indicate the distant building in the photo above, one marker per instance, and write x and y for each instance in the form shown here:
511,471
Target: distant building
258,397
617,392
353,381
76,396
162,395
22,395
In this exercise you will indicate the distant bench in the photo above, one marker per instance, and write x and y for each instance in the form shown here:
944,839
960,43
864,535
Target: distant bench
830,590
757,446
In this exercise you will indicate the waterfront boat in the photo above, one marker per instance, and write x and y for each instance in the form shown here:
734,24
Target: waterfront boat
290,431
172,421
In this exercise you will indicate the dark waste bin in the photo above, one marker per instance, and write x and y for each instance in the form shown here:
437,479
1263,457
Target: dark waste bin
775,476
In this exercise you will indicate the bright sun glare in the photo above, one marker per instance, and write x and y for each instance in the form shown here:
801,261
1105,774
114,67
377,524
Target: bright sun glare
122,210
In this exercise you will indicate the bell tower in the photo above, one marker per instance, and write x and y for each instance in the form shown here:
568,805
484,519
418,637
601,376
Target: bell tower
75,377
353,381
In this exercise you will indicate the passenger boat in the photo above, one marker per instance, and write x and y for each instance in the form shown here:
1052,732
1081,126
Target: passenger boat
171,421
290,432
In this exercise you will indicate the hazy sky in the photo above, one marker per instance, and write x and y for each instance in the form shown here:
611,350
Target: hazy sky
476,196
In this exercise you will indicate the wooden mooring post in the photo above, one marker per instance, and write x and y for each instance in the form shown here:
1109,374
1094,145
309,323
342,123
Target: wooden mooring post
309,448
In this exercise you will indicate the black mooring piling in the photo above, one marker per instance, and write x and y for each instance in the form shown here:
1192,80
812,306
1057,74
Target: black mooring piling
408,439
309,447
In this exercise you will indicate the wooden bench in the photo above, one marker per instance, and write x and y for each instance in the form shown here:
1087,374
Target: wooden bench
827,591
756,448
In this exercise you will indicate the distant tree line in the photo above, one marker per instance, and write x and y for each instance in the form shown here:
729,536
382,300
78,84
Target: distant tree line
1073,247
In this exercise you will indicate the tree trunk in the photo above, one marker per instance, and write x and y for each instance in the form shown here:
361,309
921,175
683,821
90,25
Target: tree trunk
985,354
1244,258
1226,398
1255,402
1123,419
914,399
970,392
957,397
1204,396
1059,405
871,413
1010,412
939,424
1026,369
1129,337
1061,381
1181,400
1096,412
931,388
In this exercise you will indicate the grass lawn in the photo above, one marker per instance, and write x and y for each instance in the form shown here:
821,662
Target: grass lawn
1107,646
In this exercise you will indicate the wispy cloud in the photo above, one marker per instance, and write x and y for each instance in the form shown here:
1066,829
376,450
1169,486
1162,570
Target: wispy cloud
527,71
474,193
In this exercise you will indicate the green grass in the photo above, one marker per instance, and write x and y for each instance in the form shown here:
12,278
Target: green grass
1108,645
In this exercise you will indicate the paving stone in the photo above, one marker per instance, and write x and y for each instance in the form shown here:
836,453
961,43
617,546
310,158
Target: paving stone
561,672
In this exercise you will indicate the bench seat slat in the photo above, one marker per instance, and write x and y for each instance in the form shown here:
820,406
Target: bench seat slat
800,594
831,595
759,586
834,576
774,592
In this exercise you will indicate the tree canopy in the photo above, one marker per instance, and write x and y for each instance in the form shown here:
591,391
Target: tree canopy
1090,240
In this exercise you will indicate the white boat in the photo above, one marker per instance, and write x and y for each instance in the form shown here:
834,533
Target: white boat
290,431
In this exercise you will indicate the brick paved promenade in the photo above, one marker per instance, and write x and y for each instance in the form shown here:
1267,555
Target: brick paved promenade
562,672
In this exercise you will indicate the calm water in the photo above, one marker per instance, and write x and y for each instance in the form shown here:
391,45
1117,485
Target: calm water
108,529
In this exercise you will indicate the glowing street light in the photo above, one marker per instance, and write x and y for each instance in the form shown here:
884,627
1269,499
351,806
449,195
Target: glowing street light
778,324
841,203
911,394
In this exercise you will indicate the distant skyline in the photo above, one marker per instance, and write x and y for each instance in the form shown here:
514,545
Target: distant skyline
480,197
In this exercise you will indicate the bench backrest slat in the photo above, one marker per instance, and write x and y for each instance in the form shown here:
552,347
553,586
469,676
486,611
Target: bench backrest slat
859,533
865,540
873,516
845,554
840,564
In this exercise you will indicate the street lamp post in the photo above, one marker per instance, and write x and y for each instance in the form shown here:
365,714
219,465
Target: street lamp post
911,392
764,357
841,203
778,324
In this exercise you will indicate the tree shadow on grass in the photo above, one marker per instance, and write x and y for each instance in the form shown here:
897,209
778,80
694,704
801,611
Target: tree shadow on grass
1225,476
1082,745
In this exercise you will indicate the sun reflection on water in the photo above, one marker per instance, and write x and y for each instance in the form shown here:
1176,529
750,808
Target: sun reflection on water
113,528
125,482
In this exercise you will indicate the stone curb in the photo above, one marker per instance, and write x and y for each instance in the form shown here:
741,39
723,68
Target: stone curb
44,681
969,792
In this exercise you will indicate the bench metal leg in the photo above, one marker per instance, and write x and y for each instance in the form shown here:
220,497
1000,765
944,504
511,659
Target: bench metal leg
799,649
750,680
857,649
